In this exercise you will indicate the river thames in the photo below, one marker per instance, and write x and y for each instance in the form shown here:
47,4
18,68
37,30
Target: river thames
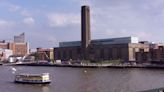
84,79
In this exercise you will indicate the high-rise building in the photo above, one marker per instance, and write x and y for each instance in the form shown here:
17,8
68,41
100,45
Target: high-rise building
20,38
19,46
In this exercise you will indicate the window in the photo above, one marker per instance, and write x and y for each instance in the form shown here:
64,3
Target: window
70,54
78,51
134,53
59,55
64,55
102,53
109,53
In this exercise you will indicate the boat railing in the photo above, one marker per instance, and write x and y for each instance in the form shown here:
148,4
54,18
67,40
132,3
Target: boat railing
154,90
45,73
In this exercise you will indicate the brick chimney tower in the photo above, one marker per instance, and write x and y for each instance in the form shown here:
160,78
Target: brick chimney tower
85,29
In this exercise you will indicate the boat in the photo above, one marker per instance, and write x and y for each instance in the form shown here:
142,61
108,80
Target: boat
43,78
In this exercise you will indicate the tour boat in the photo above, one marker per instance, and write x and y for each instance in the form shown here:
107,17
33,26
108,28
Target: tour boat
43,78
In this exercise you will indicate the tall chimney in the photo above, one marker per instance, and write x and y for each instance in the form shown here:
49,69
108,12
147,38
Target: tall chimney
85,29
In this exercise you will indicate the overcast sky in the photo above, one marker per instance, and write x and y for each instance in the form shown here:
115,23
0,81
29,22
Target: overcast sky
47,22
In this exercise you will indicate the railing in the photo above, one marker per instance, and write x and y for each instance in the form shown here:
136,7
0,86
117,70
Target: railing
154,90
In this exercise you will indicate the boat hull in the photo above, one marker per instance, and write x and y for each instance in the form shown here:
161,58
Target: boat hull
28,82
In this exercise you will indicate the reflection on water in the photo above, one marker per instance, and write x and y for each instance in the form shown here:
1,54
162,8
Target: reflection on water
45,89
84,80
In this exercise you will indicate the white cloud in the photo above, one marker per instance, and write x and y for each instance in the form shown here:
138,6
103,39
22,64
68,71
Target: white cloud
25,13
83,2
14,8
109,18
52,39
62,19
116,33
8,6
29,21
127,18
3,23
6,24
143,35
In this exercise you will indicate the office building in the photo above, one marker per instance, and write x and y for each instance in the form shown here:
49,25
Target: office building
20,38
18,47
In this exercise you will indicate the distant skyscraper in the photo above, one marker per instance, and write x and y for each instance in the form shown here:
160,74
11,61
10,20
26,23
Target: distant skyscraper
20,38
18,47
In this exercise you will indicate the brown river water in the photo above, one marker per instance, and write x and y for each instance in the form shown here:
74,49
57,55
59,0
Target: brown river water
84,79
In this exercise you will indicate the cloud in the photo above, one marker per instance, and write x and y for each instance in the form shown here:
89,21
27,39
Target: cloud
52,39
114,18
29,21
109,19
14,8
4,24
9,6
122,33
63,19
83,2
26,13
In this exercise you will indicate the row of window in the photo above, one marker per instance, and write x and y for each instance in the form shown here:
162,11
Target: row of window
109,53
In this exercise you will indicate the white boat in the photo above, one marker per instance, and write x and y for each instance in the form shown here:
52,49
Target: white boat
43,78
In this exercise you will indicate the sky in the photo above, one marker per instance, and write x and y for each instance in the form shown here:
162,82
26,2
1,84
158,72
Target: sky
48,22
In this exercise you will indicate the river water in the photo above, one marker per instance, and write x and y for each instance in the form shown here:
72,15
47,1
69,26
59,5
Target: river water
84,79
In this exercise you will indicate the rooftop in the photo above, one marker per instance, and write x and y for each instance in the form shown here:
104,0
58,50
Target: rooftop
120,40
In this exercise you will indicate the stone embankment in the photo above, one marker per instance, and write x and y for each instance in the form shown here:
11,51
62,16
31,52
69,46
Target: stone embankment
92,65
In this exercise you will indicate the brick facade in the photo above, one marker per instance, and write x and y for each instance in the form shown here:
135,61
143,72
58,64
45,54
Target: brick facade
124,52
17,48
